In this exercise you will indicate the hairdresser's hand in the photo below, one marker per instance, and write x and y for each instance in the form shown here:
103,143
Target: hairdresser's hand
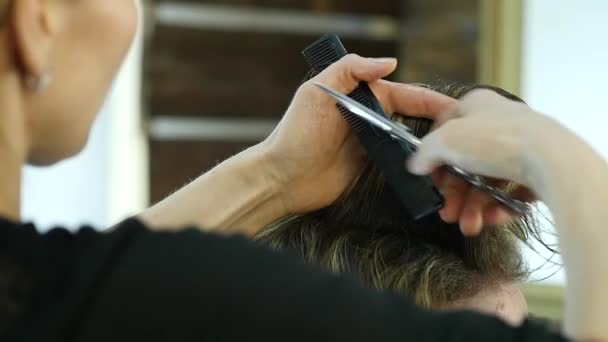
305,164
496,137
313,154
488,135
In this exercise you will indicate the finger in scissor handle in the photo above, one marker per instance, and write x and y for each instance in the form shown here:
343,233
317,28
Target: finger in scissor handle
473,208
453,189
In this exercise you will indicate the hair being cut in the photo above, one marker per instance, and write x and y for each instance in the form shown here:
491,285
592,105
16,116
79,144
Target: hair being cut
366,233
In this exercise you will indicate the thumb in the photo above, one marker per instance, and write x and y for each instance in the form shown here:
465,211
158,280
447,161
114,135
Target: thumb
346,74
460,144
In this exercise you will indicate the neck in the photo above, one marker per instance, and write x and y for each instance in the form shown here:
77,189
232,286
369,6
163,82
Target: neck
12,149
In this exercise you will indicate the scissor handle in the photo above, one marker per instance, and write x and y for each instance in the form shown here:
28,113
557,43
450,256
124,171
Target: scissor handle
517,206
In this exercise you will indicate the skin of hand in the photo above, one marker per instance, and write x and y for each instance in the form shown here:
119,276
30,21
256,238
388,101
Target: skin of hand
313,152
465,204
316,156
488,135
496,137
309,160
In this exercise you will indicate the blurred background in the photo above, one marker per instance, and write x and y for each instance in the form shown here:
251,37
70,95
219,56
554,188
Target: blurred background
208,78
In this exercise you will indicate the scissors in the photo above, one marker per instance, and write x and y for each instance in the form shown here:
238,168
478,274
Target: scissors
403,134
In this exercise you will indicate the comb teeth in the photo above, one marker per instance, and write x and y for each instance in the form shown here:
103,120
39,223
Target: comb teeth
418,195
356,123
360,95
323,52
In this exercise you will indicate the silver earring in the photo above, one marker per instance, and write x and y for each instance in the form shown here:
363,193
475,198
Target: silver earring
38,83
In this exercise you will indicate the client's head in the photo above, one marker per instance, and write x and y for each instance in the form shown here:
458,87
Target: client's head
366,234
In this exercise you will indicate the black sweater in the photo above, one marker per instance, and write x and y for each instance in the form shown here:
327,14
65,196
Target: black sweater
137,285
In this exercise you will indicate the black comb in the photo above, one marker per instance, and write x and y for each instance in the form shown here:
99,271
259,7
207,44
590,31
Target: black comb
417,194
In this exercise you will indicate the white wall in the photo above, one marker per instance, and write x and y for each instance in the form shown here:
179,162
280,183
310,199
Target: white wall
72,192
128,144
108,180
565,68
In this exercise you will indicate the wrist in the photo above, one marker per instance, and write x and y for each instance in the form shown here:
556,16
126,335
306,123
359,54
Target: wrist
255,171
549,154
272,167
237,196
561,167
255,166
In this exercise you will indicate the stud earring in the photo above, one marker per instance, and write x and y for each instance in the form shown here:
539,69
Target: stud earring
38,83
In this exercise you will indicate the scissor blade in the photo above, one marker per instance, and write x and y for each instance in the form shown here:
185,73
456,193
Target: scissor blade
402,133
355,107
371,116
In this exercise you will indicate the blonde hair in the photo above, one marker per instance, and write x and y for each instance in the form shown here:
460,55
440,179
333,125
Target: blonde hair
366,234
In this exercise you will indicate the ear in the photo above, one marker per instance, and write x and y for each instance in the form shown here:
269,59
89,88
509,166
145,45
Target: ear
34,32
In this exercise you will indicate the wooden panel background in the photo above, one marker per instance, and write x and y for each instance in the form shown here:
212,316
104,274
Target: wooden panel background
244,74
440,41
175,163
378,7
198,73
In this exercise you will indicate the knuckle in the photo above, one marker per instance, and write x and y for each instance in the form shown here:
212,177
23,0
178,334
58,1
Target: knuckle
347,64
340,73
305,88
479,99
479,95
351,58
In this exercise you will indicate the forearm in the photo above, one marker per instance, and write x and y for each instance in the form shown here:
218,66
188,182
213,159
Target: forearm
237,196
575,187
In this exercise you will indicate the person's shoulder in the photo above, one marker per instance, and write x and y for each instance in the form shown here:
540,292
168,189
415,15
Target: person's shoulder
29,232
193,283
184,281
53,270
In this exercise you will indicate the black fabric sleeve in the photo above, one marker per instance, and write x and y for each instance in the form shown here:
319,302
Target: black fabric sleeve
191,286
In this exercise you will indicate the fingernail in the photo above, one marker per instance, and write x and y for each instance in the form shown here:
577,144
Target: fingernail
383,60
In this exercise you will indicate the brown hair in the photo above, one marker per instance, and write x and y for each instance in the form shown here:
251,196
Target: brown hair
365,233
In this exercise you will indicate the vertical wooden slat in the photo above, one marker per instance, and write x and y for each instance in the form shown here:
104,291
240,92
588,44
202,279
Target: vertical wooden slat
501,43
204,72
440,41
191,72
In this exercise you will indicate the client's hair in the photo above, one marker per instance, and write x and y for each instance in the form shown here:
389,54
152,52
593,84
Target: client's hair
366,233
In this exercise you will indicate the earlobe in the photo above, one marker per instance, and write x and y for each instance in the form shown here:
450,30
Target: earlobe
33,36
38,84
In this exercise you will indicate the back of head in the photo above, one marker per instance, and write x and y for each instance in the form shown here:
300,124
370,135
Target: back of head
366,233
